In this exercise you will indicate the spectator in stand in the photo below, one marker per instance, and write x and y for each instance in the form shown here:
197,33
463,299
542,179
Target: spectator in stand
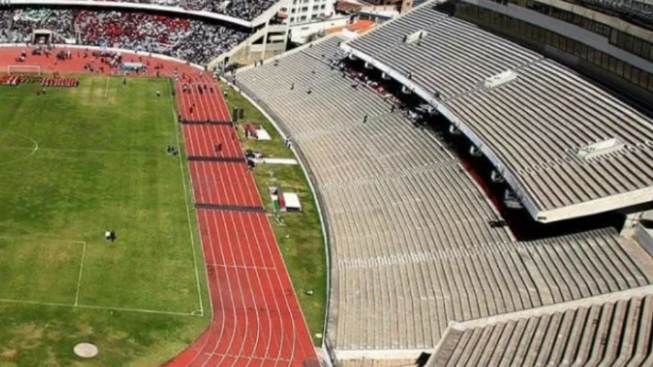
196,41
242,9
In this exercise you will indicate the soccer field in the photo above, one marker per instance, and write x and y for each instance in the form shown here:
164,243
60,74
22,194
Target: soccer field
73,164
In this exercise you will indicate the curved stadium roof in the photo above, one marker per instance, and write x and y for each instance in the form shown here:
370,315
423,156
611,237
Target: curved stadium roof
567,147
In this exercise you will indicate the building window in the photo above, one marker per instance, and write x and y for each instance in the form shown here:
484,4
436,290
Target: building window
634,75
525,31
627,69
643,79
620,67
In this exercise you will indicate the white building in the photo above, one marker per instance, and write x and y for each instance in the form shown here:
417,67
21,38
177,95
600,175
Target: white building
307,11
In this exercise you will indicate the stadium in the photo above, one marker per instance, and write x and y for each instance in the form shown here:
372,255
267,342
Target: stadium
441,184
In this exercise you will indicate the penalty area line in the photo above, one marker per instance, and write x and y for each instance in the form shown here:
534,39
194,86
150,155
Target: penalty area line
42,239
195,313
79,278
101,308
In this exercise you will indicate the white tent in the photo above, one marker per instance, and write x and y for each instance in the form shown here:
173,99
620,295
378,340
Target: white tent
292,202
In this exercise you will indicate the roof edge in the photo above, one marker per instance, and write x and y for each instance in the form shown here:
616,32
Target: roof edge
539,214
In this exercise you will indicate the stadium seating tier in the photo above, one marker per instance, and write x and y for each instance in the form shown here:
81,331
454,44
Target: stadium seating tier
408,228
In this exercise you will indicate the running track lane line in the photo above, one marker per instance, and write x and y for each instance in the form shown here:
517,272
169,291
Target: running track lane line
289,339
280,259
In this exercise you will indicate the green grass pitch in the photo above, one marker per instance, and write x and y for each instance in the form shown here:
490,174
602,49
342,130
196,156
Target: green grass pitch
74,163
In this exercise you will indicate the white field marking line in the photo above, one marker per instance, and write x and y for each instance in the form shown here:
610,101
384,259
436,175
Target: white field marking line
132,152
250,240
227,184
274,246
213,102
77,151
206,112
43,239
81,267
230,291
76,304
214,324
34,149
248,357
141,310
92,307
248,282
183,182
106,88
262,244
79,278
240,219
16,148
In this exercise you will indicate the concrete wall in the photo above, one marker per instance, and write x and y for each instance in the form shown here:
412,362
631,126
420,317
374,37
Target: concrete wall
256,47
644,237
578,34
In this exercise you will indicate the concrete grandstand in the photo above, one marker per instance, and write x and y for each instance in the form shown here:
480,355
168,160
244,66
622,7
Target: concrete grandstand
393,127
539,173
610,330
468,186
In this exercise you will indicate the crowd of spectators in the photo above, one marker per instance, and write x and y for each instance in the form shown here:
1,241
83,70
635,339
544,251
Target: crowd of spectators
242,9
633,11
193,40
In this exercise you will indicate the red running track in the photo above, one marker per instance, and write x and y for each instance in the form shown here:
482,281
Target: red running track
76,64
197,136
223,183
257,321
199,100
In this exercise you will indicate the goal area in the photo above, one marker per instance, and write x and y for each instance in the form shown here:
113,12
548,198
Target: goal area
24,69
